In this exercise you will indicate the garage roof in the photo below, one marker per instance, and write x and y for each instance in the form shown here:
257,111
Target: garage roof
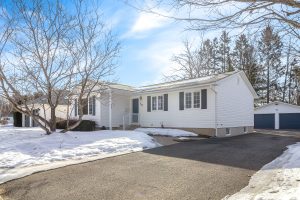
276,103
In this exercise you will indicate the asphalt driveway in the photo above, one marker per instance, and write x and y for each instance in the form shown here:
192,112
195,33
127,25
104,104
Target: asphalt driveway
205,169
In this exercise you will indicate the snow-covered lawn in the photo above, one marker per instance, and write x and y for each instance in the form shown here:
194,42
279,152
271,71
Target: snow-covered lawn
166,132
280,179
24,151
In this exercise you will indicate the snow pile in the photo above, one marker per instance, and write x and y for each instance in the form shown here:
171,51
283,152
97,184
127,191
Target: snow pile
166,132
280,179
24,151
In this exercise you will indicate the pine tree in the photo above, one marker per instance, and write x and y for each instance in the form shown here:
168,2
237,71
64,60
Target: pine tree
216,61
224,51
244,58
270,48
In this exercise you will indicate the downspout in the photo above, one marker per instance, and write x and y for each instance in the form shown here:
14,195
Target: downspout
109,104
216,119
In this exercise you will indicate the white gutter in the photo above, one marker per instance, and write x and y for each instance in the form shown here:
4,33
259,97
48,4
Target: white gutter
216,118
142,92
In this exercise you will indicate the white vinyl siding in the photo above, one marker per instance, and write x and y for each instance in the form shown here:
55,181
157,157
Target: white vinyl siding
235,103
187,118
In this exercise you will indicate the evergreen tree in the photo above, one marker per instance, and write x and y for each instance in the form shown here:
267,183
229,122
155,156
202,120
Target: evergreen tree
216,62
224,51
270,48
244,58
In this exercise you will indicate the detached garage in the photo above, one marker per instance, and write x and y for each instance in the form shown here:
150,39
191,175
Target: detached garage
277,115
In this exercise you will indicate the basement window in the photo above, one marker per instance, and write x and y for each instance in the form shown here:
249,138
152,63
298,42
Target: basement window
227,131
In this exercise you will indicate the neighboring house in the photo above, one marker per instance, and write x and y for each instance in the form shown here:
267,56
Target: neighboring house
41,107
219,105
277,115
44,111
8,119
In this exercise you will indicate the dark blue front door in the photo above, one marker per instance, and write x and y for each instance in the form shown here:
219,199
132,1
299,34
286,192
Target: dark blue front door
135,111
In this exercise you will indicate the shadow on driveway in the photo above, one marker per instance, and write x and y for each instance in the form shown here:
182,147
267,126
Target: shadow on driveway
250,151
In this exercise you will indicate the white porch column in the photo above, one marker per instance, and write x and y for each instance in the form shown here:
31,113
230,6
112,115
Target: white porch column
109,104
30,122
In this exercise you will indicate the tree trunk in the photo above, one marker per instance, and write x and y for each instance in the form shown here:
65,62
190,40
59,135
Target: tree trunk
286,72
268,81
53,120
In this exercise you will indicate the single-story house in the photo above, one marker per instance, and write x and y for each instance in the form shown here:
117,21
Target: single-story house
218,105
277,115
41,107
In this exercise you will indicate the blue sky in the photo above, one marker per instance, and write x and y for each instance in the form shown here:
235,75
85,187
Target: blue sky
148,43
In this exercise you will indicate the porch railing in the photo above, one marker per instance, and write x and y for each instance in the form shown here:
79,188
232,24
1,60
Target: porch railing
135,118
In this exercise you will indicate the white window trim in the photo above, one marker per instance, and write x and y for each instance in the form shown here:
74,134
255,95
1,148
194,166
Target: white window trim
154,104
156,96
162,102
199,99
191,100
90,114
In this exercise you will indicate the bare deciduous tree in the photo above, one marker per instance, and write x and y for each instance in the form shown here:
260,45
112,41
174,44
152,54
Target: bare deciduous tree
5,107
54,53
227,14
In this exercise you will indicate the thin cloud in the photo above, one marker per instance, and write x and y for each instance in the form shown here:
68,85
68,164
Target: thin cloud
145,23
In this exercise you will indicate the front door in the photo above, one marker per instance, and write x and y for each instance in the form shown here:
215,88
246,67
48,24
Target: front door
135,111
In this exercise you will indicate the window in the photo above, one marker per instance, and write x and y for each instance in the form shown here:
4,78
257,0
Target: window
188,100
154,102
227,131
196,99
92,105
160,103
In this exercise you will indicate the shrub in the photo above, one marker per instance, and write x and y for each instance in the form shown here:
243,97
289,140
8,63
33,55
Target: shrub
85,125
3,122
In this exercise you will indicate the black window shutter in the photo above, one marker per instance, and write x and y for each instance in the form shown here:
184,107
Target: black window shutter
148,103
75,107
90,106
94,105
165,102
181,100
204,99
